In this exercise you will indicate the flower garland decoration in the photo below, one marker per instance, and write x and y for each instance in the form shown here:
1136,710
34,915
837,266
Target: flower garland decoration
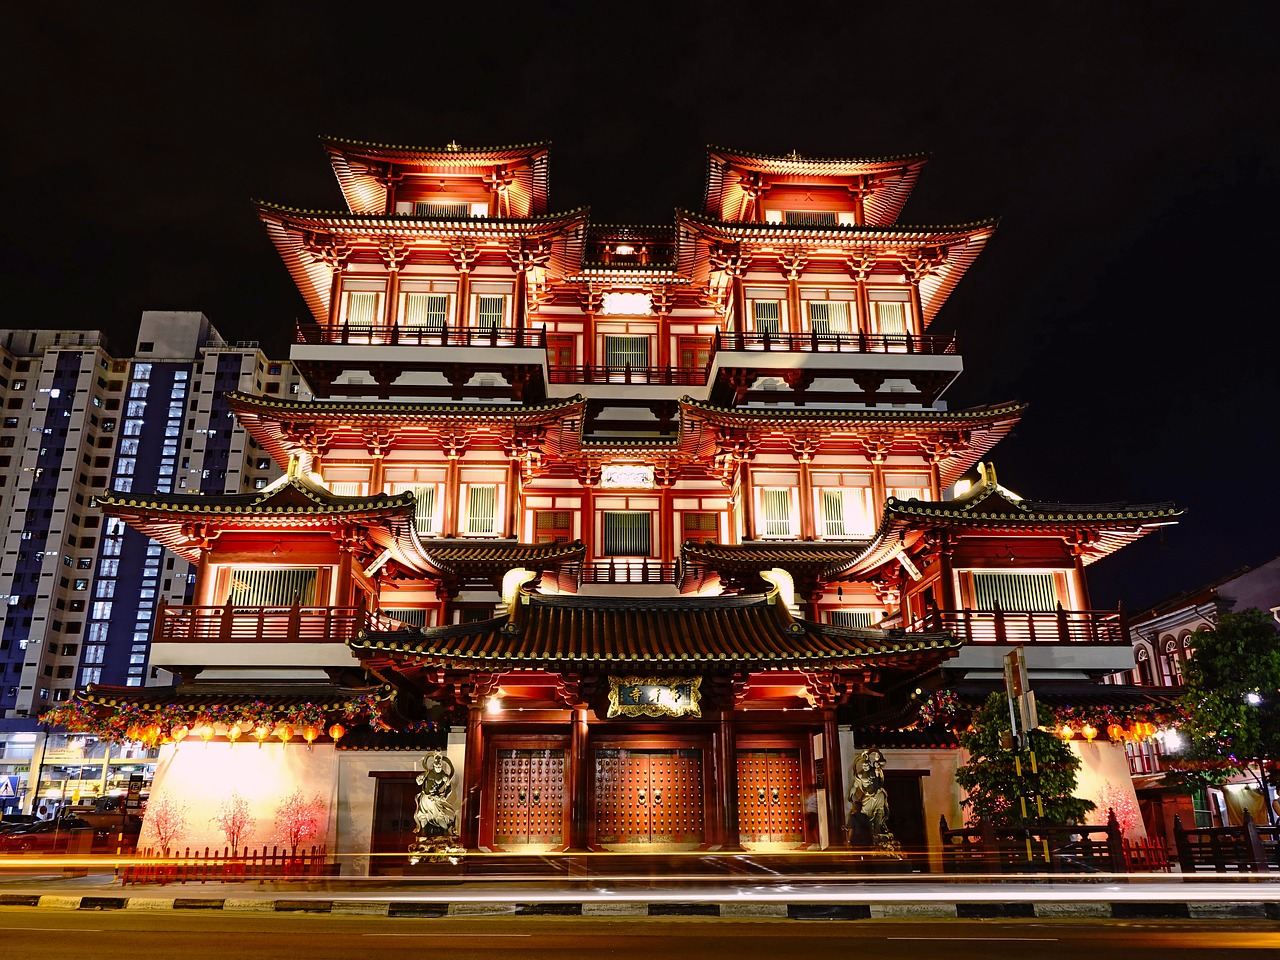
940,708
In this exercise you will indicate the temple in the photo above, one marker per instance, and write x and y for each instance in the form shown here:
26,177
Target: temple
648,530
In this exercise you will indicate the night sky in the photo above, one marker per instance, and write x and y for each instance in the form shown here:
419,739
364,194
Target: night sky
1128,148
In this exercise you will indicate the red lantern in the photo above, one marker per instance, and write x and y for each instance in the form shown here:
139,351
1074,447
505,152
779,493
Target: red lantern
179,732
260,733
284,732
1115,732
336,732
310,733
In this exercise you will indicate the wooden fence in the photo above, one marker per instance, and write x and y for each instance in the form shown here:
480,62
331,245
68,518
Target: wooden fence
1075,848
225,865
1248,848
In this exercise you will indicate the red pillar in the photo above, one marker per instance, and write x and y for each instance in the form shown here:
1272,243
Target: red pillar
473,772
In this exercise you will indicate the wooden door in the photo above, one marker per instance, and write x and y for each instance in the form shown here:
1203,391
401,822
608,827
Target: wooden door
530,798
559,350
906,811
394,801
649,797
694,352
770,797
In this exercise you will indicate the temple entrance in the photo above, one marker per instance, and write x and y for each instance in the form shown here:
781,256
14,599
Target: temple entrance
530,798
394,800
648,799
770,798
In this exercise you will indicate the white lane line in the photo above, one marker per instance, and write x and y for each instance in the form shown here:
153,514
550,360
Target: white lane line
5,929
469,936
995,939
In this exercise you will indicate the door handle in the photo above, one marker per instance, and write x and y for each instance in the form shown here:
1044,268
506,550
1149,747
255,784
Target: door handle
640,795
537,798
775,794
657,795
760,794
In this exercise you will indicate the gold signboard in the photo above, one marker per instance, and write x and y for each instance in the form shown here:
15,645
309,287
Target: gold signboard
655,697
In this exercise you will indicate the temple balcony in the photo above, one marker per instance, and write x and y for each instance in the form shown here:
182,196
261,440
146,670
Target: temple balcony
430,362
831,367
295,642
628,374
631,578
1059,644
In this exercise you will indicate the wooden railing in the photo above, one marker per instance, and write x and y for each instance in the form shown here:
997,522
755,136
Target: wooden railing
835,343
626,373
627,571
443,336
1071,848
1017,626
225,865
1248,848
244,624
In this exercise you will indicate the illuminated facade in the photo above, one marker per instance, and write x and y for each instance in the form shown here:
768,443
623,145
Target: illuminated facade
559,480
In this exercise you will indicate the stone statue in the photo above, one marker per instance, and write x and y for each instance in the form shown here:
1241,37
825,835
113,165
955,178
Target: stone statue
868,789
434,814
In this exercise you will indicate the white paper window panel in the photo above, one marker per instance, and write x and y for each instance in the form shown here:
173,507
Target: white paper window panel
889,296
364,286
841,479
361,307
770,478
471,475
765,293
627,503
401,478
540,503
503,289
906,480
818,293
428,286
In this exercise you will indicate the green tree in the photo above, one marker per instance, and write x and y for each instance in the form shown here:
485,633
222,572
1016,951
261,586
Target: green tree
993,786
1232,694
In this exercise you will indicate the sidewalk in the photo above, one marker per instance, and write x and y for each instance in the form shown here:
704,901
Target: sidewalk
1117,898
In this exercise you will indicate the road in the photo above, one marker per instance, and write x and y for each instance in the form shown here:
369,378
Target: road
58,934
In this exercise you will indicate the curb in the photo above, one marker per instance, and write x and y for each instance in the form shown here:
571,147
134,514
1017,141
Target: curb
984,910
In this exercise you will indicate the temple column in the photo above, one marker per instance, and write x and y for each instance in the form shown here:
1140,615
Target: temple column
746,492
808,529
835,777
390,309
946,576
473,771
726,780
738,295
511,520
335,297
578,781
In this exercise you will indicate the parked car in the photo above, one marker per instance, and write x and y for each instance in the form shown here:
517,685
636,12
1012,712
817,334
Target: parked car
16,821
46,836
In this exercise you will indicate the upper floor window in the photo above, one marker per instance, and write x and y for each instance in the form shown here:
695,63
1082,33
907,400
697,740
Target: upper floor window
1142,668
552,526
701,526
482,509
622,350
363,307
430,310
491,310
828,316
844,512
425,514
272,586
626,533
441,209
852,618
810,218
1031,592
766,316
777,517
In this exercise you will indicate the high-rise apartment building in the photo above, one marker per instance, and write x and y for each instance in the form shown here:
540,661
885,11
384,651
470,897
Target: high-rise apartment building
80,591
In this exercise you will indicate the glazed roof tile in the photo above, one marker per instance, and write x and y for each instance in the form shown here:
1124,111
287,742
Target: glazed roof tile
723,633
295,496
507,151
277,695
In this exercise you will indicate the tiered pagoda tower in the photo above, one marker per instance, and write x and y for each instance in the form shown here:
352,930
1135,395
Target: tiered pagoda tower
675,516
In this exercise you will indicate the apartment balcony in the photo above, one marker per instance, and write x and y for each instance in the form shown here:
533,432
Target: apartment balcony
233,639
1058,644
445,362
821,367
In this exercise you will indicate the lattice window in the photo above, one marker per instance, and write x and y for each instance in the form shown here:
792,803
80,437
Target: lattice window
553,526
775,507
482,509
810,218
429,310
362,308
414,616
828,316
441,211
620,350
491,311
626,533
891,318
701,526
272,587
1014,591
851,618
766,316
424,509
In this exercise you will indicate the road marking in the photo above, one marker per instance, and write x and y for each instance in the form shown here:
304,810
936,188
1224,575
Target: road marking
469,936
50,929
997,939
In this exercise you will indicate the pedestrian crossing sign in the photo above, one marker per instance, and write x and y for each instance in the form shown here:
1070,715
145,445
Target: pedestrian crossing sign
8,788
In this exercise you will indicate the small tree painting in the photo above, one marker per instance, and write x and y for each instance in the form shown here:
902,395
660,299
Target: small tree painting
166,821
299,819
1121,801
233,820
